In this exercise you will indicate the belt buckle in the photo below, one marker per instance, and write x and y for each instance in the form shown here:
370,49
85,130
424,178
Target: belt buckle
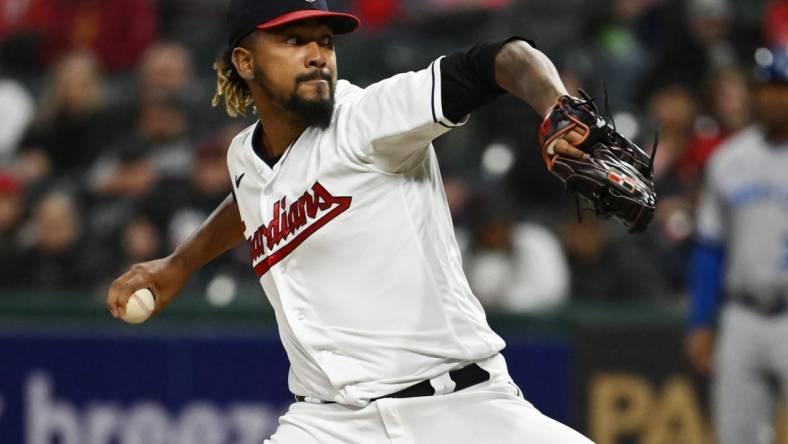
443,384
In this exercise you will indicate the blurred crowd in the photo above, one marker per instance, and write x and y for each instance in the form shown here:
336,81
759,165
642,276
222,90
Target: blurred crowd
111,154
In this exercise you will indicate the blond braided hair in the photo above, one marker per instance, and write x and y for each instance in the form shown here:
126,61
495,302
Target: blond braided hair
231,87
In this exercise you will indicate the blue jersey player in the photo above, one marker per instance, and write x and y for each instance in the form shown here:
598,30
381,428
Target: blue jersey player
741,264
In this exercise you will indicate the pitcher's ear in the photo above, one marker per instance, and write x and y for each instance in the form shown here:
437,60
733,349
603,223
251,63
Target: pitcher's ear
243,60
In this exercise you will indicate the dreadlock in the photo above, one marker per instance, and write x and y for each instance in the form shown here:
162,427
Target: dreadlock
230,85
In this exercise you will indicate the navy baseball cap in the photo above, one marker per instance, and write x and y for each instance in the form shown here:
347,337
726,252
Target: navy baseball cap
244,16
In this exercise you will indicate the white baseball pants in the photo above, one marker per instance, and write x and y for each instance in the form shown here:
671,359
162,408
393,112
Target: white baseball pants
492,412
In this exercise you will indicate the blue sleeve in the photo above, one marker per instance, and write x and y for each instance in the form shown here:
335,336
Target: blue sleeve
706,279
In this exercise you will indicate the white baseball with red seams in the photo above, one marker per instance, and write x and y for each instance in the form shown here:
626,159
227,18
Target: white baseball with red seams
139,307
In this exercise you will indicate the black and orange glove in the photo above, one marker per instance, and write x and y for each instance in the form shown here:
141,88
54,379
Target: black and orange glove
616,177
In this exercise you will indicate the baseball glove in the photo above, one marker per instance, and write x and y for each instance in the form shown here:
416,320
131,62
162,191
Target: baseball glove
616,177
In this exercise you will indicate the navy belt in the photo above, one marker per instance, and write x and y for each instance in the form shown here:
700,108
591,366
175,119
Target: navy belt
773,306
463,378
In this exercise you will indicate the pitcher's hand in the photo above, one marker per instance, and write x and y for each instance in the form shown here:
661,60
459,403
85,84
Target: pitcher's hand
567,144
700,349
164,277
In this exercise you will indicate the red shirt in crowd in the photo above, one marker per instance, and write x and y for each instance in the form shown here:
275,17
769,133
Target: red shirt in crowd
116,31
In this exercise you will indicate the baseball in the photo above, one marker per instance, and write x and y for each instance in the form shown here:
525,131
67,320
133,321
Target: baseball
139,307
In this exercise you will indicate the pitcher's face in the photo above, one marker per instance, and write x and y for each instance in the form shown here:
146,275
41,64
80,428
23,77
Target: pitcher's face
295,67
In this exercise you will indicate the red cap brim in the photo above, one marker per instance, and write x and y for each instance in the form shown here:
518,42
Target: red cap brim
339,22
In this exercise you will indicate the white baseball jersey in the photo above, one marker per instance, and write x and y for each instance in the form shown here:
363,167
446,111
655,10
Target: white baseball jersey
351,237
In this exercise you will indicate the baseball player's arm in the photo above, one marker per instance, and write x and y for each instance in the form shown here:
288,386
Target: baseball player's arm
393,121
706,280
707,274
166,277
528,74
476,76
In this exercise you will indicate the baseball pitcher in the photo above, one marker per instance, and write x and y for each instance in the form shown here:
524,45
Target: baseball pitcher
337,194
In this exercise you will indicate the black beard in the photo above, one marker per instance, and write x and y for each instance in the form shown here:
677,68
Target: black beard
313,112
317,113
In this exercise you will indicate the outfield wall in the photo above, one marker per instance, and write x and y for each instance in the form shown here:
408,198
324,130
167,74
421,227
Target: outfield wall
70,374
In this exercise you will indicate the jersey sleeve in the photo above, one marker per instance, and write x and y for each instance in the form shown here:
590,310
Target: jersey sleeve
390,124
237,164
468,78
706,274
706,282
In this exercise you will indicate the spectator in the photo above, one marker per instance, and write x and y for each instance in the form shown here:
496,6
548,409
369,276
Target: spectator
24,17
140,241
11,213
17,109
163,126
72,126
128,175
701,42
621,58
195,198
147,160
135,239
602,268
166,68
377,13
556,24
776,23
676,111
117,31
23,30
159,146
57,255
728,112
730,99
192,199
514,266
119,183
